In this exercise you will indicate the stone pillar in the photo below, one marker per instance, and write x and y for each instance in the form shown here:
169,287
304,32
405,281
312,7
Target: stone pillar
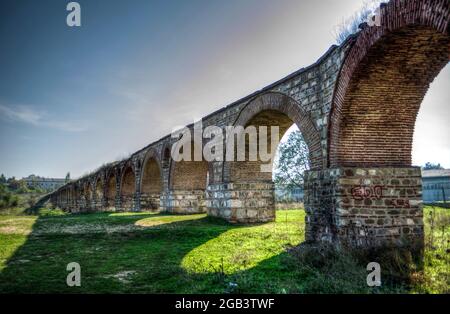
118,200
137,199
243,202
364,207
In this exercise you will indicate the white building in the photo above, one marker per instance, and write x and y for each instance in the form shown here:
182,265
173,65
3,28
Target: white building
436,185
47,184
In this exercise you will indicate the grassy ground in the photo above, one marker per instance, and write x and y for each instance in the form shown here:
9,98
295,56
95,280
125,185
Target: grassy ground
158,253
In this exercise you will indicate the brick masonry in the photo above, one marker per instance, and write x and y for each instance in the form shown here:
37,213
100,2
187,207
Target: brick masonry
356,108
359,206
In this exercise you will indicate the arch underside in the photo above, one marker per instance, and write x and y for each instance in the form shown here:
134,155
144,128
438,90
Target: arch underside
187,185
247,192
127,189
382,84
110,197
151,185
370,194
98,199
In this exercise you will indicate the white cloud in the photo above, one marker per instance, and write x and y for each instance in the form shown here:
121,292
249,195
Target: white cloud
28,115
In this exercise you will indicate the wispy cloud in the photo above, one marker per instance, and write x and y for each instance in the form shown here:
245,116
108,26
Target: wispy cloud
28,115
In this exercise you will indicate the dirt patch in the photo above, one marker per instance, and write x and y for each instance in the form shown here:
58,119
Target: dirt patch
14,230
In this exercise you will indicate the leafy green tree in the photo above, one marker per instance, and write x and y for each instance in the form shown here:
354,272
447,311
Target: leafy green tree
292,162
2,179
22,187
13,184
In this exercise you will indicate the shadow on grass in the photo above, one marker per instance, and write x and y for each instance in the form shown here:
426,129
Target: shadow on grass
128,257
162,253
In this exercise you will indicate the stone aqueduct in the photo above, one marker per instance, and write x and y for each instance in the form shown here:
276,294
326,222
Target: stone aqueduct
356,108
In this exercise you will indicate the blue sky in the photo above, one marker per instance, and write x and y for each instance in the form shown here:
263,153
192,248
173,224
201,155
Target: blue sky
72,99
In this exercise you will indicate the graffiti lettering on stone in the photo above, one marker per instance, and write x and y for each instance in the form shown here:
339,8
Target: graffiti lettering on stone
367,192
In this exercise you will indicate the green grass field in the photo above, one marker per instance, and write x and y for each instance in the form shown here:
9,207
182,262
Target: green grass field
159,253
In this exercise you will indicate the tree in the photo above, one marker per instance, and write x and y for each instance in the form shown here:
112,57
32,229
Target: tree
68,177
292,162
2,179
431,166
13,184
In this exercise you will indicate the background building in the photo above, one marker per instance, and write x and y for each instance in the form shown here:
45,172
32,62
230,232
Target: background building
285,194
436,185
47,184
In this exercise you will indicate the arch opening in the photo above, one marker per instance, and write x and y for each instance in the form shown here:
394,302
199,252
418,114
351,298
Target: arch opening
99,188
374,115
187,183
248,189
151,185
87,196
382,84
111,188
255,178
127,189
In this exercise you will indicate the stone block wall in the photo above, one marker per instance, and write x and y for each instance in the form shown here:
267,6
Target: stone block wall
150,202
184,201
364,206
243,202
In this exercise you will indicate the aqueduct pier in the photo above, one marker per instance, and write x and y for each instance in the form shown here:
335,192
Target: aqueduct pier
356,108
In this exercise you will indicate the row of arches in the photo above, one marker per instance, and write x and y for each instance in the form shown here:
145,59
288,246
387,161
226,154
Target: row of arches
159,182
364,122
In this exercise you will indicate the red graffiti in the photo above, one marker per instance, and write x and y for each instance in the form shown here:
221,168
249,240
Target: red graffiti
367,192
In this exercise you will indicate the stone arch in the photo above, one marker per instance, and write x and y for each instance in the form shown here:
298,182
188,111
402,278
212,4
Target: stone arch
152,181
383,81
127,188
88,195
189,175
75,197
279,108
187,185
275,108
111,189
251,190
99,192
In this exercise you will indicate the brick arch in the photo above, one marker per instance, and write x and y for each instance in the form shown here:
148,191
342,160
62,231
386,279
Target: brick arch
127,186
152,181
88,194
188,175
127,180
151,156
286,110
99,189
110,188
383,81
